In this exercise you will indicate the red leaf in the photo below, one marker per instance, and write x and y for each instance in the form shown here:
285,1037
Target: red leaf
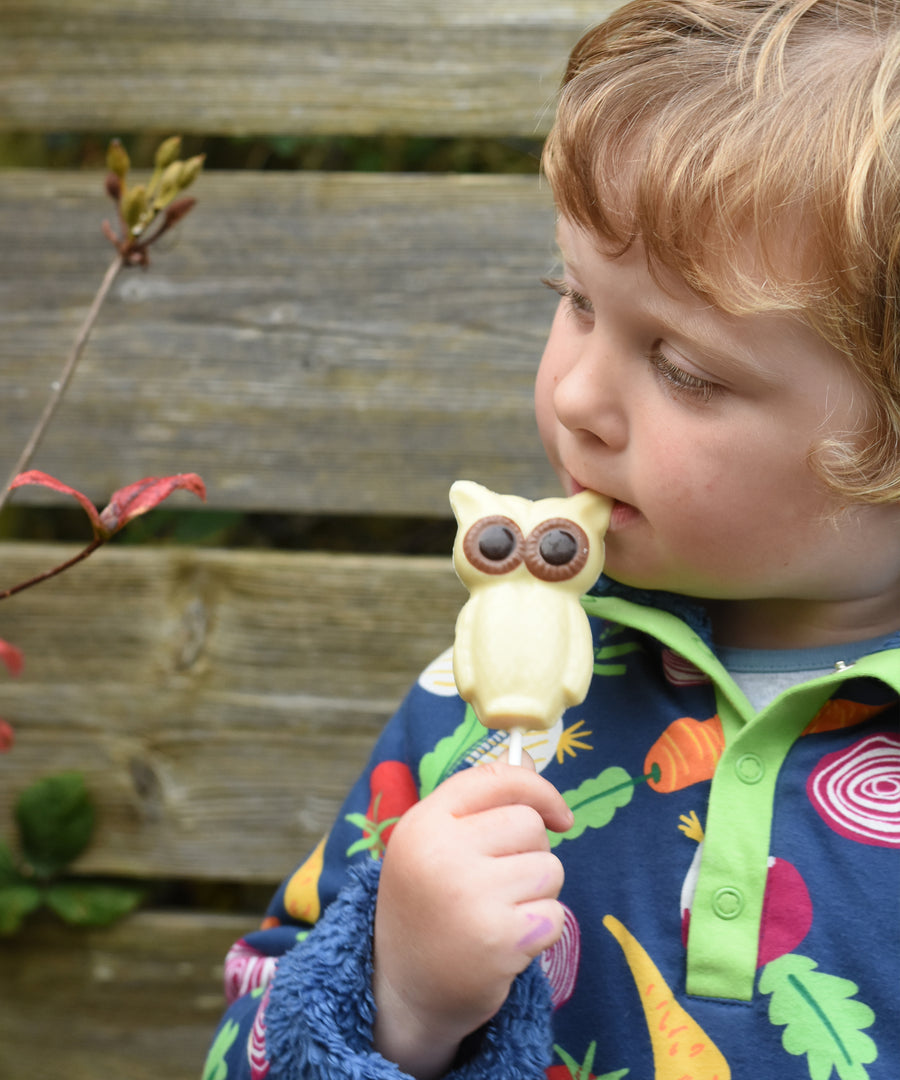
35,476
13,658
130,502
6,737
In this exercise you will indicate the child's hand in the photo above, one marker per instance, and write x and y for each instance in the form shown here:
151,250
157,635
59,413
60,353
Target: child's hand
467,898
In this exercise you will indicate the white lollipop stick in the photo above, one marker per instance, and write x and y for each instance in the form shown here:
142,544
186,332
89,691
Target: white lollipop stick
516,735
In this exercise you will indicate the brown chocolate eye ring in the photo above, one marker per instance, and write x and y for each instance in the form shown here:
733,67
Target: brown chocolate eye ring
494,544
556,550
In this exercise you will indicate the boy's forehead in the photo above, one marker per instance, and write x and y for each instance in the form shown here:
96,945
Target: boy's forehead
734,266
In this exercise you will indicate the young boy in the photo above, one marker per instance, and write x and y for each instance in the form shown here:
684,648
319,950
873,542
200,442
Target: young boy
725,365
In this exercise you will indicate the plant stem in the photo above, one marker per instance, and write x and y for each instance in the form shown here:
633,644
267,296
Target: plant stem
83,554
58,388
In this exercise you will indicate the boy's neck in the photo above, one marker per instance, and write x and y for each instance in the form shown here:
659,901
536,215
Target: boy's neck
800,624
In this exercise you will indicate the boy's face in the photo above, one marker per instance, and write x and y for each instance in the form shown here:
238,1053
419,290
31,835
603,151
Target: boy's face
700,426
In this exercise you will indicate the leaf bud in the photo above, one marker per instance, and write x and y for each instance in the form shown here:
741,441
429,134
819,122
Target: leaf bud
177,210
191,170
117,159
169,184
167,152
113,187
134,206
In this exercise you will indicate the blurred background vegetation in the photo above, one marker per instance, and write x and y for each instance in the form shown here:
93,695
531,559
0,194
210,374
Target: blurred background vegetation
340,154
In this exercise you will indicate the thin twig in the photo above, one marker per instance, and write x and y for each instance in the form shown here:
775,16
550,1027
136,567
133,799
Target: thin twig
83,554
58,388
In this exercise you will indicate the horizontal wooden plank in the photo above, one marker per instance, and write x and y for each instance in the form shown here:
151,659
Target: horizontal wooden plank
220,704
309,342
286,66
140,999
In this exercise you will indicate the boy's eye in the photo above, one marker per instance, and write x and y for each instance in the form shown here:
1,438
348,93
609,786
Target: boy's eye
679,379
577,302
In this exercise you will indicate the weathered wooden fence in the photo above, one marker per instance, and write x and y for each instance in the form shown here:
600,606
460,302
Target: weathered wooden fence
309,343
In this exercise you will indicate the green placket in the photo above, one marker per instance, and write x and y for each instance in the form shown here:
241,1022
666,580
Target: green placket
723,940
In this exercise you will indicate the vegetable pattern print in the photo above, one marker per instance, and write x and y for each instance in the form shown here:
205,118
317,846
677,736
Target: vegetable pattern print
759,851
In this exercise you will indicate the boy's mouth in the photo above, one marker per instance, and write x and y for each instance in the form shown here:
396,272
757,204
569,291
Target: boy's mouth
623,513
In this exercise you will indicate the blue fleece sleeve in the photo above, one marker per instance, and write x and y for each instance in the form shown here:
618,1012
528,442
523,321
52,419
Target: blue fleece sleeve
320,1011
300,986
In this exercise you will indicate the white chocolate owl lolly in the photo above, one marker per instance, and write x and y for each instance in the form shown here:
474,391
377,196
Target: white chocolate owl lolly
523,651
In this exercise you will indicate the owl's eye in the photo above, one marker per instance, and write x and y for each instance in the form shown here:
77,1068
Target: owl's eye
556,550
496,542
494,545
558,547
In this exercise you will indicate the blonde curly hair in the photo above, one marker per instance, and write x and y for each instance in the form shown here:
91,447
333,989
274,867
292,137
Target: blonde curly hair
697,125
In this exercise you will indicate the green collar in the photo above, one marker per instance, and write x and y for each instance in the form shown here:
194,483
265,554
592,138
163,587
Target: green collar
727,909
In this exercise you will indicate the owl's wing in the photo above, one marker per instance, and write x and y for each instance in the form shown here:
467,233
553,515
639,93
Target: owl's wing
463,661
579,659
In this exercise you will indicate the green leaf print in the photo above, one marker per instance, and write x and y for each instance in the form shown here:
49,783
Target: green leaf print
583,1071
595,801
440,762
822,1017
216,1068
604,658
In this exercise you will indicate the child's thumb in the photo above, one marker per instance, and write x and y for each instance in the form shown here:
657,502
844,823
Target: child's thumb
527,760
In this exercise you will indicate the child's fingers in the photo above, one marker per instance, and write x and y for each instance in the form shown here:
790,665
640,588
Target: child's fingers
498,784
536,875
538,925
507,830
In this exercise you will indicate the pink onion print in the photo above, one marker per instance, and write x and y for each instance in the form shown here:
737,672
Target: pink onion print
560,962
246,969
857,791
256,1044
681,672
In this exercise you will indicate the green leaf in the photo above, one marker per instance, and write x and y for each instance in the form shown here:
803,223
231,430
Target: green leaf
449,752
16,902
56,820
91,903
216,1067
595,802
8,871
822,1017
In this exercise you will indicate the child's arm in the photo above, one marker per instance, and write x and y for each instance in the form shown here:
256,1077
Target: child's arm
467,899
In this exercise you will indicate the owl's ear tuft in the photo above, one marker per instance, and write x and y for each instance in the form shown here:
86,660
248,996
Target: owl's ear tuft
467,499
592,510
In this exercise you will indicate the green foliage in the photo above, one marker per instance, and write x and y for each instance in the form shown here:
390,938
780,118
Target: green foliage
583,1071
216,1068
822,1017
450,751
595,802
55,819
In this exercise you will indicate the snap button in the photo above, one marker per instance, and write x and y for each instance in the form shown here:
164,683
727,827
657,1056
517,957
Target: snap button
728,902
750,768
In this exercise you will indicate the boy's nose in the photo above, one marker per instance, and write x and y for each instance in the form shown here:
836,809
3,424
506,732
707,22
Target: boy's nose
588,397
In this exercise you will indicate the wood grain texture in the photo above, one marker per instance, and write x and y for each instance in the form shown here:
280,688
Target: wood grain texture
220,704
307,342
139,1000
427,67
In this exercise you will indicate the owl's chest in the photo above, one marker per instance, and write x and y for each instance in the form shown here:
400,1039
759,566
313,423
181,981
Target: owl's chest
520,614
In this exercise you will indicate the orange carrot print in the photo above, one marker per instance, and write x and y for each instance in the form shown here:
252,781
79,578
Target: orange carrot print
686,753
681,1048
841,713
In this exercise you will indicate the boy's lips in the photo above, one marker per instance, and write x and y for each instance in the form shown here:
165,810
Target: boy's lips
622,512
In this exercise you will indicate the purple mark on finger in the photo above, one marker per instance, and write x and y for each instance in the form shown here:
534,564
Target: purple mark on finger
541,926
